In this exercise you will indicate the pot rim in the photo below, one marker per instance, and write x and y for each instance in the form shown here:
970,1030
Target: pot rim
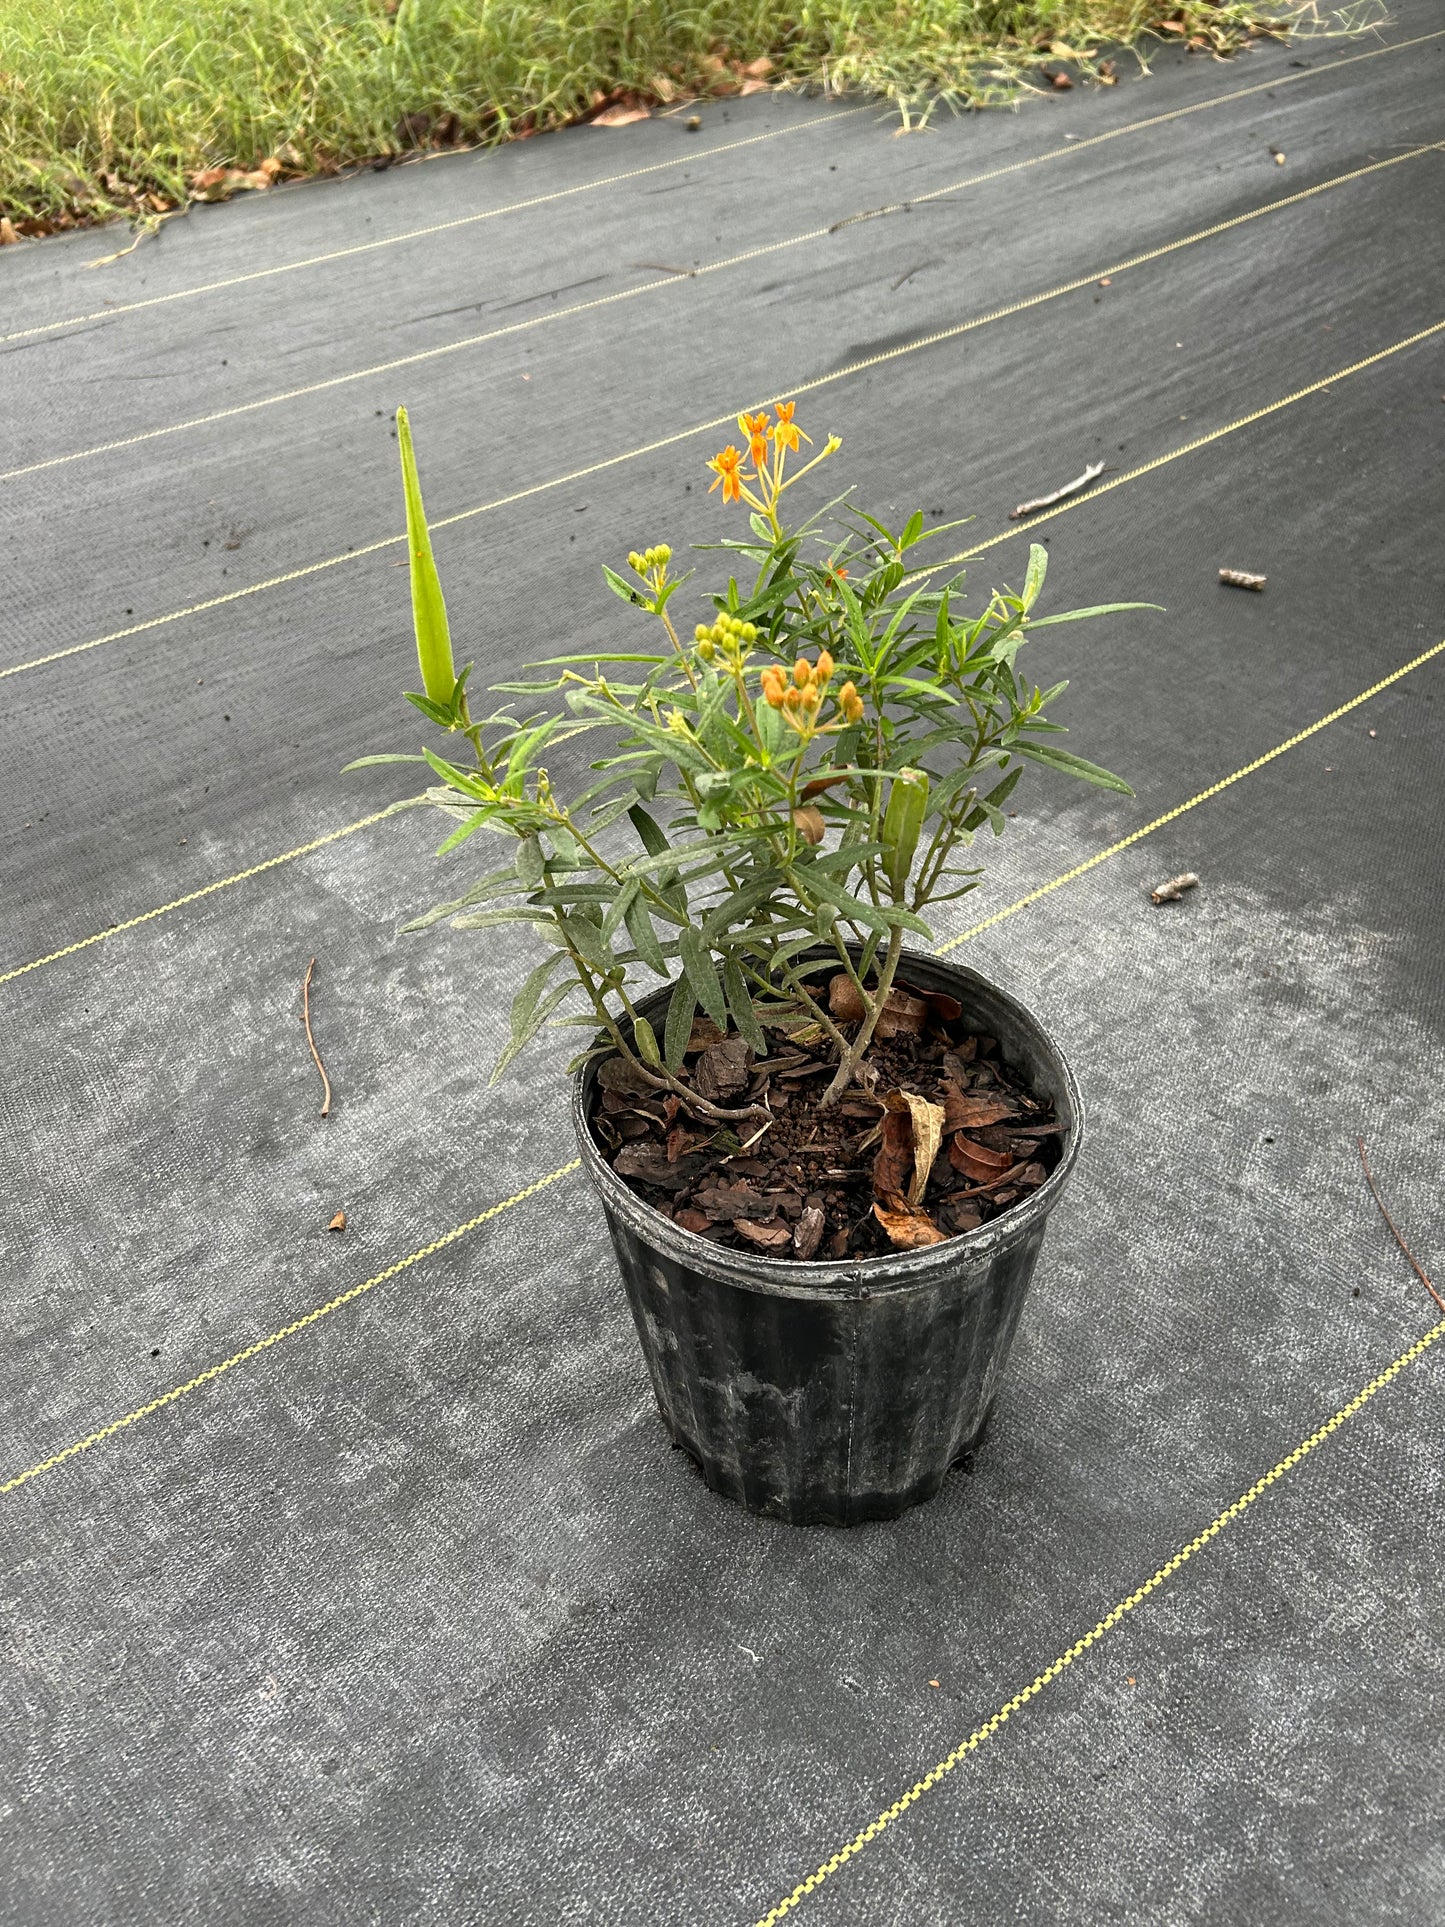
858,1277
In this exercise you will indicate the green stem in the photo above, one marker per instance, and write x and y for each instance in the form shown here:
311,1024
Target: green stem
856,1051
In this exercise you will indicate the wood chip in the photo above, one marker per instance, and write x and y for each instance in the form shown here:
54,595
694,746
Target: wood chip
338,1223
1242,579
777,1238
723,1069
622,1075
1174,889
726,1203
808,1232
648,1163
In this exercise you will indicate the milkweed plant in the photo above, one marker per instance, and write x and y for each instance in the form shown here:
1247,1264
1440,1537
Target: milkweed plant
777,792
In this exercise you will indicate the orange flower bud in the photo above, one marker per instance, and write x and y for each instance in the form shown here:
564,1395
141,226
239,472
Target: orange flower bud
802,674
793,698
825,666
812,696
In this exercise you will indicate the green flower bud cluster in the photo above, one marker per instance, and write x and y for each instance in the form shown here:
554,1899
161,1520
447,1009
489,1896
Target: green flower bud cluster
647,559
727,634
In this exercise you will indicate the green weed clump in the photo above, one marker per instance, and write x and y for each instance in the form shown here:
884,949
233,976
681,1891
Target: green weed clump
111,106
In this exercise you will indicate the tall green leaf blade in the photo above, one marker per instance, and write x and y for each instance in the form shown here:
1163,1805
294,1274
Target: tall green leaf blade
428,607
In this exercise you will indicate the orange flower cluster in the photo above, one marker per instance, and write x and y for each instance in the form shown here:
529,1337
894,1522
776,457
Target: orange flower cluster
758,431
801,695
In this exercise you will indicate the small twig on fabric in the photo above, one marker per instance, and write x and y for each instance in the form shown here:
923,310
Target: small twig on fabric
1415,1262
1090,474
1242,579
306,1020
869,214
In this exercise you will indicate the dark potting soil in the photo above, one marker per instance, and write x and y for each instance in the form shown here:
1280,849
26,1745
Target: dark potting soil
844,1182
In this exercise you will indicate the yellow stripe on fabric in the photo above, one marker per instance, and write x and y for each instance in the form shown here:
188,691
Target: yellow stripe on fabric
195,896
800,388
693,155
244,1356
637,173
1106,1625
671,280
1181,809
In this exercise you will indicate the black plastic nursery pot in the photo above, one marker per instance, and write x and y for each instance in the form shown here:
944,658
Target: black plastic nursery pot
833,1393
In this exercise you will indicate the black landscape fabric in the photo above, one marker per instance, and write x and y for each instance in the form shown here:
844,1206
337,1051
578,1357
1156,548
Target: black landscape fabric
413,1615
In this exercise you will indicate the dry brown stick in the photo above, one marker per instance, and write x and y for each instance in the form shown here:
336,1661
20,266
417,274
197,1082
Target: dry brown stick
1090,474
306,1019
1418,1267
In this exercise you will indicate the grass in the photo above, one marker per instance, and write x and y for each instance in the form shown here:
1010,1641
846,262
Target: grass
117,106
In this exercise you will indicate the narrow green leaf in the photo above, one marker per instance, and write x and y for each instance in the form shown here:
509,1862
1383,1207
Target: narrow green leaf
366,762
1099,609
530,860
428,608
741,1006
622,588
702,975
859,910
681,1007
618,904
487,919
639,928
1070,765
523,1034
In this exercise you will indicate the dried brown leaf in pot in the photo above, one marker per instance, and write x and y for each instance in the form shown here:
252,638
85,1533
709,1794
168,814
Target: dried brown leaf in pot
845,1000
903,1015
965,1113
908,1228
977,1161
893,1163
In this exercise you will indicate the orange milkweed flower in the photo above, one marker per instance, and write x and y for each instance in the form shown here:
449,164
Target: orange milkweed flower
785,434
725,466
757,428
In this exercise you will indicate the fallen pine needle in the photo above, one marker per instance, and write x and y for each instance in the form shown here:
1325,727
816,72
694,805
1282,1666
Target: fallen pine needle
306,1019
1090,474
1242,579
1394,1233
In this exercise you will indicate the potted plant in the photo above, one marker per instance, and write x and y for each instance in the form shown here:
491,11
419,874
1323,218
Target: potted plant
826,1158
